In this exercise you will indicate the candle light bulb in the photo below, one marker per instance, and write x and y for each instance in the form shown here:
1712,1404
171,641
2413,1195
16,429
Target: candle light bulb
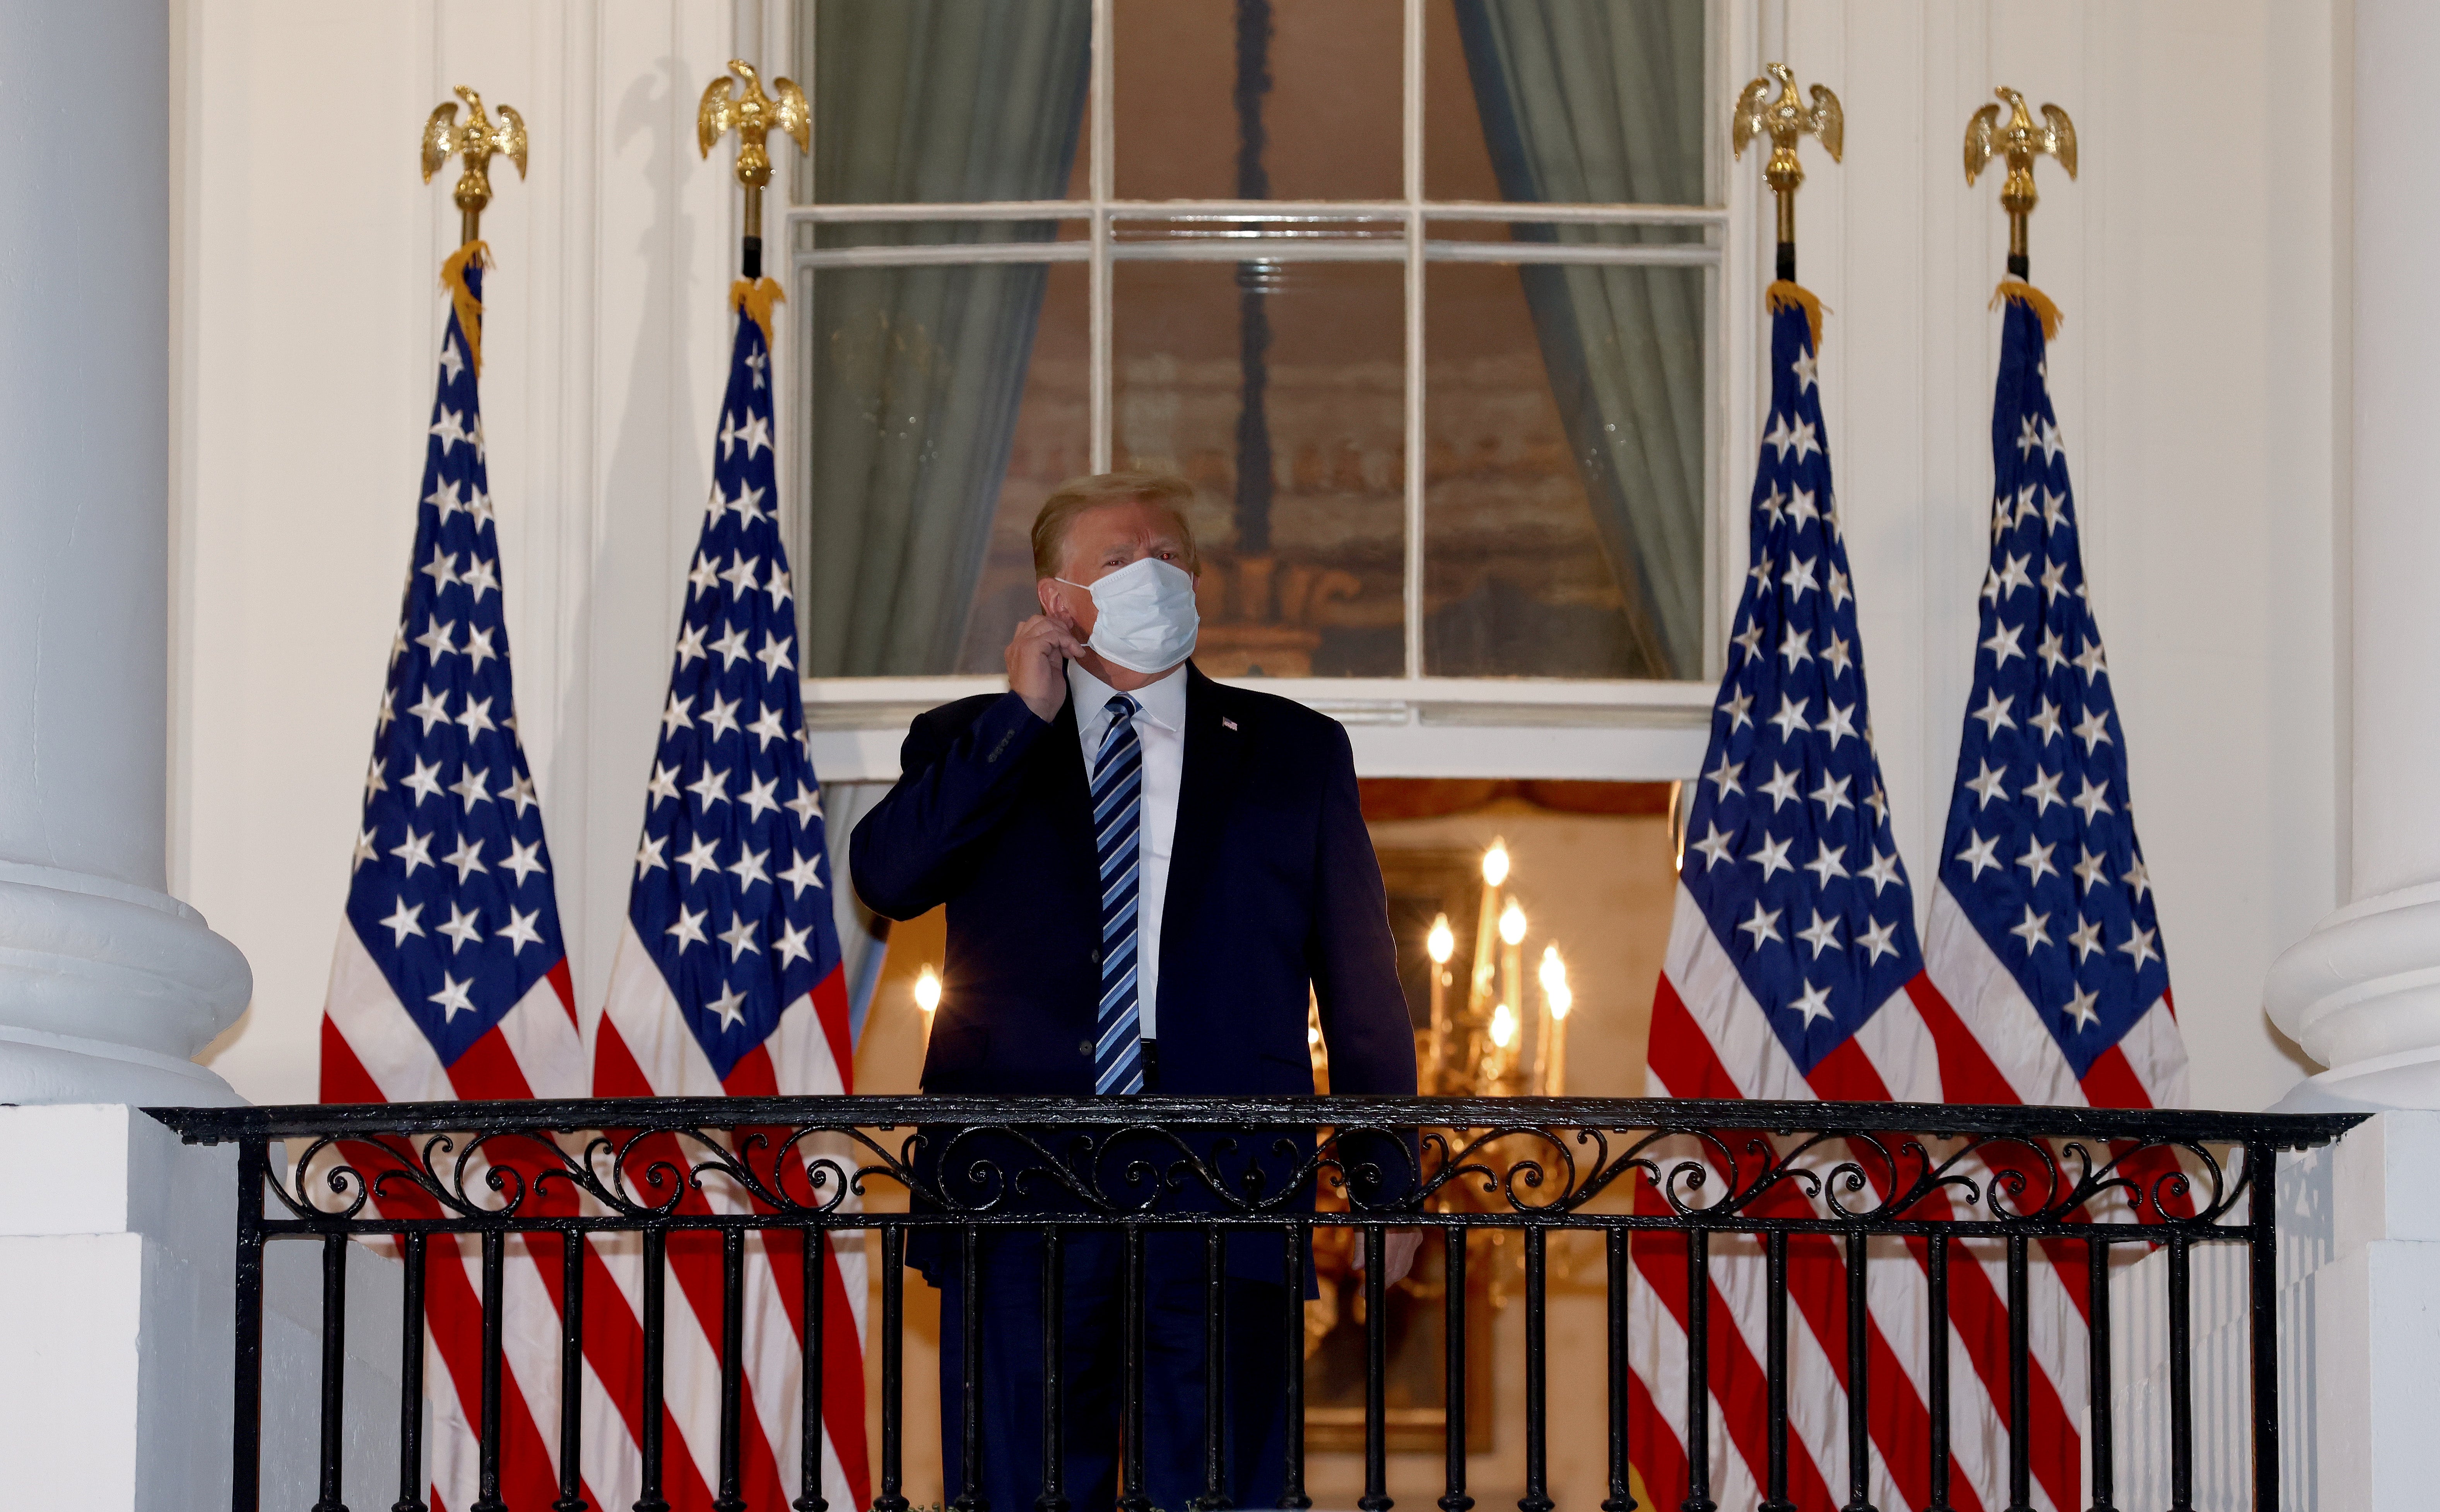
1512,922
1442,943
1494,864
1561,1001
1503,1026
927,989
1555,971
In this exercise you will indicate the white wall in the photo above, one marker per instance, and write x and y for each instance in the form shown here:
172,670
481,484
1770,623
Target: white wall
310,318
2195,377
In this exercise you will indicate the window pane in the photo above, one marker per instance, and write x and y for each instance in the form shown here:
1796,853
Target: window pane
945,101
1564,445
1564,101
1300,498
1328,117
943,405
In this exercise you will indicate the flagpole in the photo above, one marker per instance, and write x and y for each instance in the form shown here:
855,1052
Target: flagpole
477,140
1784,120
753,114
2020,141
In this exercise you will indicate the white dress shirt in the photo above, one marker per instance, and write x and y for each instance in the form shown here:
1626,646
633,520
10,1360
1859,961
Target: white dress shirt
1160,728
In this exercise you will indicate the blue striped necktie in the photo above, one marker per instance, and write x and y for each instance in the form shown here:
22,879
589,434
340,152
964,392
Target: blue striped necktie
1118,825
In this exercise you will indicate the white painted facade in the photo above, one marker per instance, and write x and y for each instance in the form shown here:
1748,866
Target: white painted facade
2200,379
2240,379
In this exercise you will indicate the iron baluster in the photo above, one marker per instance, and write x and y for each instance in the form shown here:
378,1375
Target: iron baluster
334,1369
1054,1310
970,1496
1935,1368
816,1305
1774,1497
893,1370
245,1415
2020,1384
1537,1495
648,1496
410,1380
572,1245
2096,1292
1376,1354
1859,1410
1215,1372
2262,1256
1453,1367
730,1496
2182,1378
1131,1388
1292,1496
1621,1498
1698,1374
487,1480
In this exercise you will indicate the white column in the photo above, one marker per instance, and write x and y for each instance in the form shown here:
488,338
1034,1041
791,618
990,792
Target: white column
2361,993
108,987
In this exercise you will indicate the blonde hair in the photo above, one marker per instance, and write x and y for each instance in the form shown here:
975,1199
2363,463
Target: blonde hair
1166,491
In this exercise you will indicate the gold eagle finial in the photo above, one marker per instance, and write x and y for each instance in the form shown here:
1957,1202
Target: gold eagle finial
1784,120
754,114
477,141
2020,141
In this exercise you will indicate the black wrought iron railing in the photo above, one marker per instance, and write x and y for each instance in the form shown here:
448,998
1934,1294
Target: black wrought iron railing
2022,1187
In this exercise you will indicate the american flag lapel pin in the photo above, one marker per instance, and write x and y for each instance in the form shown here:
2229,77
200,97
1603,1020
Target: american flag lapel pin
1227,723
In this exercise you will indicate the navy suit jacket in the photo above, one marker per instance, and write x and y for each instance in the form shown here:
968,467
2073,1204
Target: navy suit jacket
1273,886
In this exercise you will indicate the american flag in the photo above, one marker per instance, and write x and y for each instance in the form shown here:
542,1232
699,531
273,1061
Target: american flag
2043,931
1793,972
728,980
450,980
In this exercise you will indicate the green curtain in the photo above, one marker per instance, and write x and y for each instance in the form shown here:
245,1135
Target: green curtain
1594,100
917,372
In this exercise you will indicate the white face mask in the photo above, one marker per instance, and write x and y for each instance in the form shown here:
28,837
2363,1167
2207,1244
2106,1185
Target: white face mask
1145,618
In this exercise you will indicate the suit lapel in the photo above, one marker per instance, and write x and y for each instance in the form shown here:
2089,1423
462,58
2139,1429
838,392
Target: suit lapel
1207,791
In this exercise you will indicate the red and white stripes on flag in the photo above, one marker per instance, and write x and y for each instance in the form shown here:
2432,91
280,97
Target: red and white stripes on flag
1794,973
728,977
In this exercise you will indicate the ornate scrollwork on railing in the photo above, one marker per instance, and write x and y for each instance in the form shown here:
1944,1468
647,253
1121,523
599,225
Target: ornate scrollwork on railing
1649,1163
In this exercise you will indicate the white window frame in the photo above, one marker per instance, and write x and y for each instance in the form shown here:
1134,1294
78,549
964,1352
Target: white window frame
1413,724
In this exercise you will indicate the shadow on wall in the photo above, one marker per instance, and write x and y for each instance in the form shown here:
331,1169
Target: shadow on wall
625,613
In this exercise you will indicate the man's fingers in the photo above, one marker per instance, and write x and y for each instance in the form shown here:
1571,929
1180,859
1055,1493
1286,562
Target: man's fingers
1042,628
1398,1251
1044,631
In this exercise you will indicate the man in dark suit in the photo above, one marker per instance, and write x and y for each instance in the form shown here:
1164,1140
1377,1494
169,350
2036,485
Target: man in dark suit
1148,876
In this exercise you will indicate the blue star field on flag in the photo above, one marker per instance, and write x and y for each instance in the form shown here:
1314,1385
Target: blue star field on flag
731,890
450,887
1789,852
2041,852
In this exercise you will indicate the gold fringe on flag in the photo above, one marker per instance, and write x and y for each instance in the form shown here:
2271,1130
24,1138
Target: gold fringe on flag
2031,298
756,299
1781,294
461,295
